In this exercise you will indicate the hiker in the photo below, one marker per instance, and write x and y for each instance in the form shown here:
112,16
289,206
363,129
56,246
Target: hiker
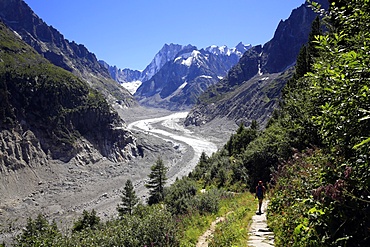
260,191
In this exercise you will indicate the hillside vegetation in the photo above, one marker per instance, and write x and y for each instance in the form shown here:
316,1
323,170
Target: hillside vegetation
315,149
322,194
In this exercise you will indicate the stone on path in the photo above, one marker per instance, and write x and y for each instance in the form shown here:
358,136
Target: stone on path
259,234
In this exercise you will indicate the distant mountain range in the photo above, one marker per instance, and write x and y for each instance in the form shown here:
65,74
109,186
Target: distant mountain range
127,76
178,74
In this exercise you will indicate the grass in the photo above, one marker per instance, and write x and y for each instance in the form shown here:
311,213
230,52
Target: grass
233,231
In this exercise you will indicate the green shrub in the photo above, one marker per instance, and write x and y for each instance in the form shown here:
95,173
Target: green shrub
179,196
208,202
39,232
87,221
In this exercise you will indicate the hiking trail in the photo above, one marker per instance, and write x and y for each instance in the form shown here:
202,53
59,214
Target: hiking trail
203,240
259,234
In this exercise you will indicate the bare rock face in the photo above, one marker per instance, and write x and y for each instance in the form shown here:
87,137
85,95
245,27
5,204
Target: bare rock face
20,150
255,99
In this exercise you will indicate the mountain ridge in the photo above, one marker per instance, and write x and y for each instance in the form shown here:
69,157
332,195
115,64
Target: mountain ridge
132,79
186,75
276,56
49,42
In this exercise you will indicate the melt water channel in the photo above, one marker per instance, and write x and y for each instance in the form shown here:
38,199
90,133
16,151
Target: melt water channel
172,129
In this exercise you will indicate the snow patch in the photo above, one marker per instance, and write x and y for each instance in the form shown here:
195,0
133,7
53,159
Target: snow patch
206,76
259,69
183,85
132,86
188,61
226,51
17,34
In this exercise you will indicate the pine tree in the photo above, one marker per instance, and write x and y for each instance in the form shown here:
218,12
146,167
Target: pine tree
157,180
88,220
129,199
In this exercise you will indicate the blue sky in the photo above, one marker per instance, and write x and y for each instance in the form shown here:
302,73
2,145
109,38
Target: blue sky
128,33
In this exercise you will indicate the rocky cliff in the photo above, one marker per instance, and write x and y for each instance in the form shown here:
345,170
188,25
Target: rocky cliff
48,113
257,75
52,45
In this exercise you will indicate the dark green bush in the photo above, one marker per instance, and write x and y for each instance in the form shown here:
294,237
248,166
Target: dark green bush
39,232
86,221
179,196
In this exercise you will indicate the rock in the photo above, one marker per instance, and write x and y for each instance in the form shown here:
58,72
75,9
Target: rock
251,90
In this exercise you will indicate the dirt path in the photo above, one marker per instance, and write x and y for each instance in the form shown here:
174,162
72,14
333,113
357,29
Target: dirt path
260,234
203,240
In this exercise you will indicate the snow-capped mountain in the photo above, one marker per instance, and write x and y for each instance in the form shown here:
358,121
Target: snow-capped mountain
239,50
166,54
132,79
181,80
127,78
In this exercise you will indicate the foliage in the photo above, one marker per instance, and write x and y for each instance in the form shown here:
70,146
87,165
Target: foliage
233,231
289,208
240,140
39,232
179,196
87,221
226,168
207,202
147,226
129,199
322,199
157,180
265,152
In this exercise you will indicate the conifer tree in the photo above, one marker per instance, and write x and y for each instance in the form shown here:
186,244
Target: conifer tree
157,180
88,220
129,199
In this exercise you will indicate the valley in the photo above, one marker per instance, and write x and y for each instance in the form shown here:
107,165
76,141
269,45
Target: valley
292,112
63,190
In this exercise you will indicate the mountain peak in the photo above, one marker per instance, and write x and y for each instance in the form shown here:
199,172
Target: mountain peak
224,50
184,55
